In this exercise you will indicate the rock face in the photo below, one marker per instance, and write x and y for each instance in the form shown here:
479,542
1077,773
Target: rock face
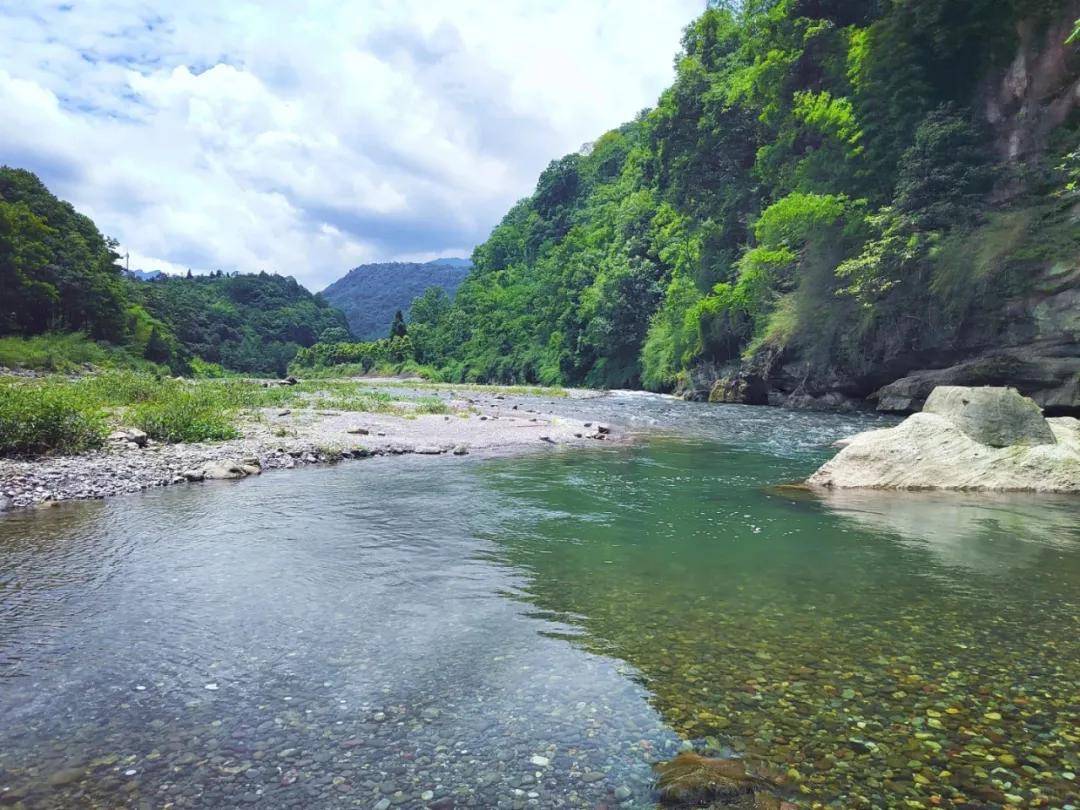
742,389
969,439
998,417
1052,381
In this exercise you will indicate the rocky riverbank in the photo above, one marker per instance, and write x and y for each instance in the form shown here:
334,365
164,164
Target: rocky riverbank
477,422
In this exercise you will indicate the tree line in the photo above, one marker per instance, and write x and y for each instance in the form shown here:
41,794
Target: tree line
811,186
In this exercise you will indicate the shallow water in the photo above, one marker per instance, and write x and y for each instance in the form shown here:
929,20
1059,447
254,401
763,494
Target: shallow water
537,631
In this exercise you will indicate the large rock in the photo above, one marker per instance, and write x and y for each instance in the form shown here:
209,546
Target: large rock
129,436
231,468
998,417
968,438
691,780
742,389
1051,379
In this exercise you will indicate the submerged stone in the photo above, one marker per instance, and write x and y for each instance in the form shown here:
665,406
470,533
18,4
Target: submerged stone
692,780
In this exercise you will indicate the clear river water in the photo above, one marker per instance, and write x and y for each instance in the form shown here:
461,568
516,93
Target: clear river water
537,631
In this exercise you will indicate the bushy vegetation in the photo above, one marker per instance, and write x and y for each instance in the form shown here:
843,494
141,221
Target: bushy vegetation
64,292
41,418
192,415
798,192
358,358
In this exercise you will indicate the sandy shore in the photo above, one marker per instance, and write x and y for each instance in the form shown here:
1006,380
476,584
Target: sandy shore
480,422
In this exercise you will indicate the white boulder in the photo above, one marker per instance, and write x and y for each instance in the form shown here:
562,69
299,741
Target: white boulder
230,468
998,417
941,448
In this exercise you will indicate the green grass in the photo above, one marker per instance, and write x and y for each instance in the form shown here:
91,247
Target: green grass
430,405
36,419
184,416
64,353
61,415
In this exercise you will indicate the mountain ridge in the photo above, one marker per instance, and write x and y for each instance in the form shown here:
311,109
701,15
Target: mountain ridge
370,294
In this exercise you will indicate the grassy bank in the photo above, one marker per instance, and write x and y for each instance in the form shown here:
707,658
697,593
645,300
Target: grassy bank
66,353
56,414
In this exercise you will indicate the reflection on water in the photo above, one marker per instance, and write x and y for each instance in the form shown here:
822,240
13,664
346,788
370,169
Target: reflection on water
537,631
985,532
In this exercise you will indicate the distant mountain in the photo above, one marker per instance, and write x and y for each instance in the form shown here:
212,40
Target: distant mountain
450,261
370,294
144,275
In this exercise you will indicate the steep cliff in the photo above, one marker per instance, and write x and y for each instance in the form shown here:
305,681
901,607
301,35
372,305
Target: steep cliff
836,204
1022,328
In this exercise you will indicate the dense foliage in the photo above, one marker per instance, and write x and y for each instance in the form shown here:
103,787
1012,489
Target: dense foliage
61,284
810,186
250,323
370,294
356,358
57,272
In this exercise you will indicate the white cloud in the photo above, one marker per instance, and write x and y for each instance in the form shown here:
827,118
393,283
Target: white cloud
246,136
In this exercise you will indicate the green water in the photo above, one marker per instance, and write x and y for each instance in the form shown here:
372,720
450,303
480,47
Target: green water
875,649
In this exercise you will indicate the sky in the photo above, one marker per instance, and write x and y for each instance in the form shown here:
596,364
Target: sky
309,137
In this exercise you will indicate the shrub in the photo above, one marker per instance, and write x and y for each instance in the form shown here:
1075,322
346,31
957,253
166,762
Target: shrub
204,370
184,416
51,417
431,405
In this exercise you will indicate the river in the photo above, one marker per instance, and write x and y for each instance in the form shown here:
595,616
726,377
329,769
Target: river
536,631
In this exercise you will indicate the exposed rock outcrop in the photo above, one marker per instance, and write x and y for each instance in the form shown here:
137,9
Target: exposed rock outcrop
1037,92
1053,382
1021,327
743,389
968,439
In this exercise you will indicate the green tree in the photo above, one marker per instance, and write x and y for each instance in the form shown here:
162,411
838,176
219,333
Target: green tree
334,334
946,172
63,275
398,327
157,349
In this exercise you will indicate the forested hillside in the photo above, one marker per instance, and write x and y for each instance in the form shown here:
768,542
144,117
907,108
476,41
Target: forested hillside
371,294
252,323
58,274
833,194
